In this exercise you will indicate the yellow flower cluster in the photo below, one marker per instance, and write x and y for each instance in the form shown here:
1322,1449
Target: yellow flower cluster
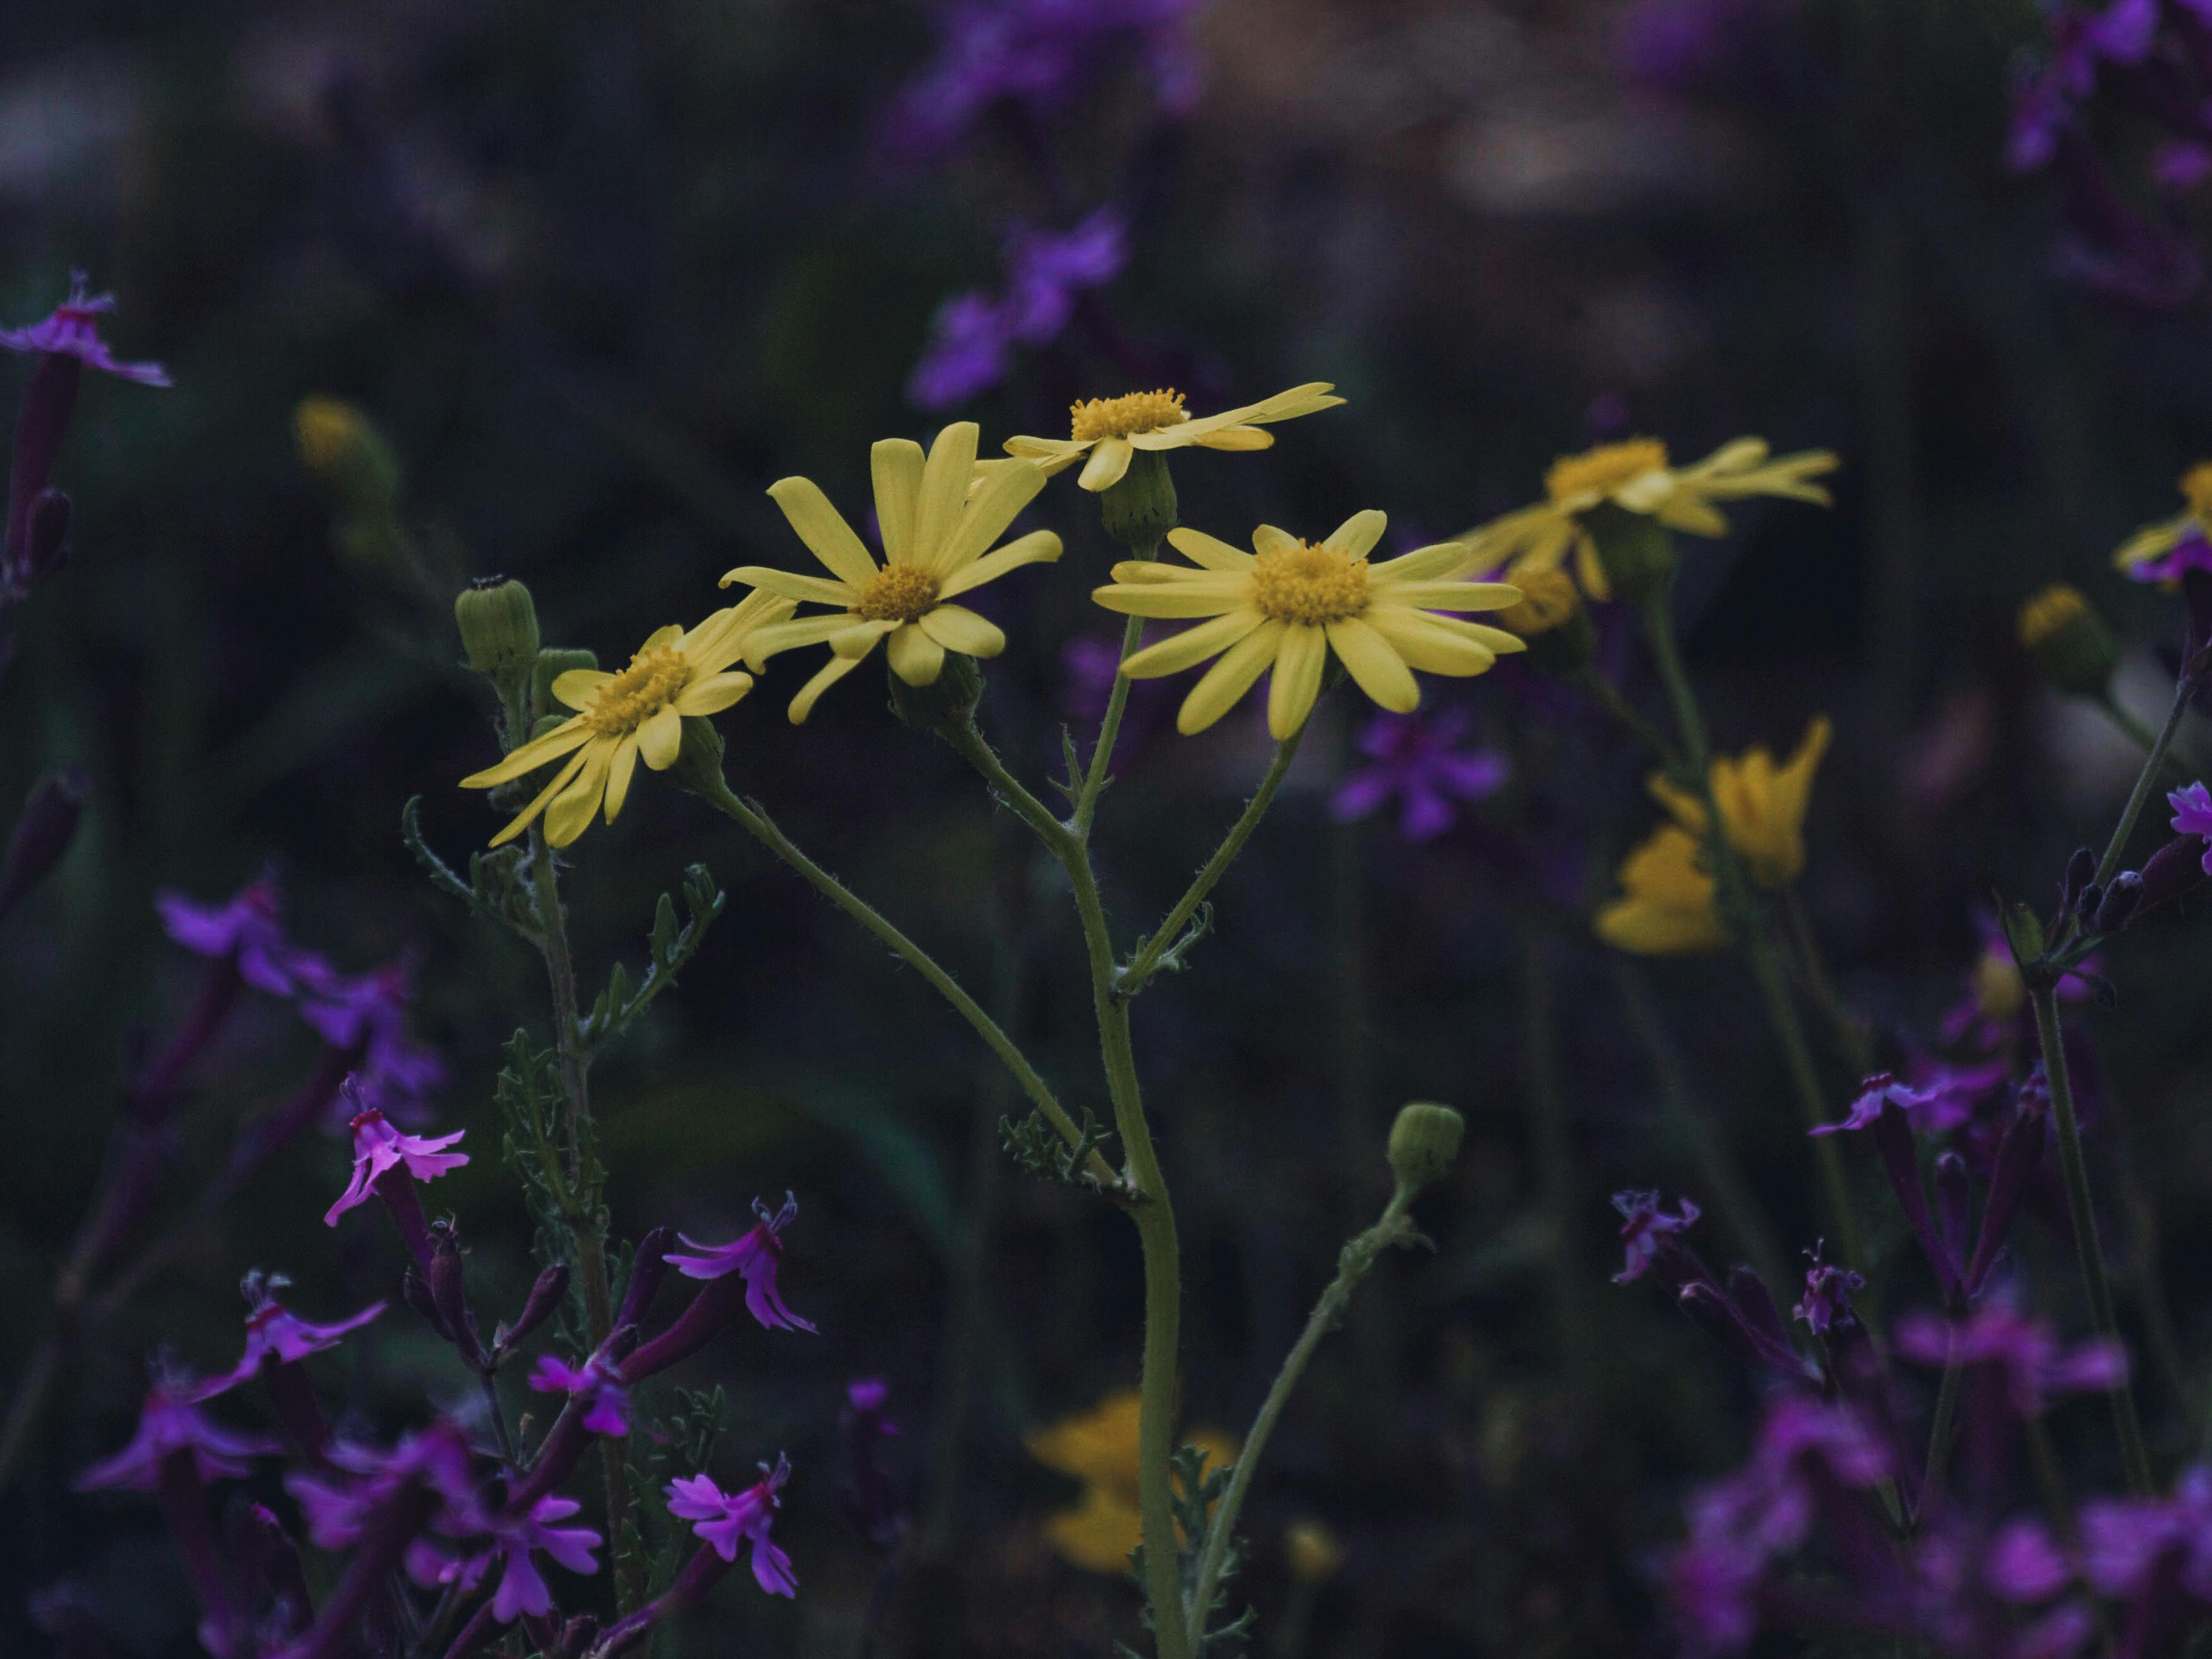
1099,1448
1666,906
2195,521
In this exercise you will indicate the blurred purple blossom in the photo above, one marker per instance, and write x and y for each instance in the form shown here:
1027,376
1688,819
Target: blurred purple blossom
2192,816
1944,1101
367,1014
596,1381
2192,552
378,1149
171,1423
516,1540
973,334
1040,56
339,1508
754,1257
71,331
1418,760
1643,1224
723,1519
277,1336
2123,1540
2034,1364
1827,1293
246,930
1683,46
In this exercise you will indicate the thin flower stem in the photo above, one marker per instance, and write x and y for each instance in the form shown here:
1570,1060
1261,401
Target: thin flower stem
1943,1433
757,824
1110,728
1356,1261
2081,1213
1851,1037
1739,900
1607,697
1147,962
1153,1213
2144,781
2177,759
583,1219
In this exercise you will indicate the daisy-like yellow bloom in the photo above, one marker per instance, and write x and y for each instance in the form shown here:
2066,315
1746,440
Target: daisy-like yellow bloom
1099,1448
935,532
1110,430
636,713
1638,477
1762,806
2196,522
1666,906
1287,605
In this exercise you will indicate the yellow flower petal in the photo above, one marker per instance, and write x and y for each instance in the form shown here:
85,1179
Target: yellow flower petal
958,628
1234,437
1375,667
618,775
944,493
1208,598
712,695
1270,539
1449,595
1438,562
1038,547
1230,678
1193,646
660,737
570,813
1108,462
914,657
1356,536
561,781
569,734
576,687
1433,644
1295,680
769,642
990,509
856,639
823,529
895,465
827,675
1201,549
789,585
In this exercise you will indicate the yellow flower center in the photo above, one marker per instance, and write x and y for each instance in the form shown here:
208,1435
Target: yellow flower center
1307,584
1117,417
2049,613
638,692
897,593
1603,470
1547,599
2197,484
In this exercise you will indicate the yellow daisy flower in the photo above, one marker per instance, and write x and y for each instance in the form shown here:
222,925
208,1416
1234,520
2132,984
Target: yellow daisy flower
1636,476
935,529
1666,906
2163,536
1290,604
1762,806
638,712
1111,429
1099,1448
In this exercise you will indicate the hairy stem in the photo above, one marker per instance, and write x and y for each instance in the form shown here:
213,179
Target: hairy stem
2081,1213
1110,728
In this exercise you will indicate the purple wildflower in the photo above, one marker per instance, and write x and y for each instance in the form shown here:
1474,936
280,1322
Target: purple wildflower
518,1539
1944,1101
1827,1293
339,1508
968,340
1643,1225
1419,760
246,931
1994,1009
2124,1540
72,331
2192,552
1045,269
367,1014
722,1519
171,1423
2192,816
2035,1366
378,1149
277,1336
754,1257
868,1395
596,1382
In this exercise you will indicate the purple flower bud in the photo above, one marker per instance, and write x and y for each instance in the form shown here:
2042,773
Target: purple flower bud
40,425
45,542
2081,871
447,1276
1954,1202
544,1297
2119,902
649,1267
42,834
415,1291
2175,869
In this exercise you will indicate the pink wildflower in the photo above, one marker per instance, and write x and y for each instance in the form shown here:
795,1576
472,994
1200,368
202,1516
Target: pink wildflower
379,1149
721,1520
171,1423
71,331
754,1257
596,1381
247,931
276,1336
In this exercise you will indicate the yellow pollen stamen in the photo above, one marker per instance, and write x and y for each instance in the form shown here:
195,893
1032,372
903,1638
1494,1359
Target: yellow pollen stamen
1117,417
2197,485
1604,469
897,593
638,692
1307,584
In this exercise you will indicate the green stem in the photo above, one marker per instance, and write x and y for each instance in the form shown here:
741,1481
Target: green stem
1941,1432
585,1218
1110,728
2144,781
1147,962
2181,765
757,824
1355,1263
1755,925
1607,697
2082,1214
1851,1037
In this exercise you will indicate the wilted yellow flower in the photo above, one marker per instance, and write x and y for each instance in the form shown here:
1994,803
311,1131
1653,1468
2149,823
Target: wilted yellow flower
1762,806
638,712
1548,600
1099,1448
1636,476
1290,604
935,532
1315,1554
2163,536
1666,906
1110,429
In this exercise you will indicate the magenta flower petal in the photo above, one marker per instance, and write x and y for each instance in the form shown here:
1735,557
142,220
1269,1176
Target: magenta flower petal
72,330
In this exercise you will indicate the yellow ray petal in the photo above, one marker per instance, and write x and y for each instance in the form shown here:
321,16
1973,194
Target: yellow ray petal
1448,596
1295,680
618,775
956,628
766,642
990,509
1356,536
823,529
1174,599
569,734
1038,547
1235,438
827,675
1375,667
1204,550
855,640
914,657
561,781
944,493
570,811
713,694
1231,676
1192,647
895,465
1108,462
660,737
577,687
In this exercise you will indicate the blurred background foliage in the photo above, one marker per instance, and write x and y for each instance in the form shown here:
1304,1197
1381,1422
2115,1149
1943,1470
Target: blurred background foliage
601,273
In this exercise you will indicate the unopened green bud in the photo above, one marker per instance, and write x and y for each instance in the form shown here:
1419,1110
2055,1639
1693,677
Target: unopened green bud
947,704
499,627
2068,642
1633,548
1141,508
553,662
698,768
1425,1143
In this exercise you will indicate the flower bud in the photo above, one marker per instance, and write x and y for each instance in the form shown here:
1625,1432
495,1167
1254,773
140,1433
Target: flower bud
1552,617
2174,869
1634,550
537,1307
698,768
40,425
2081,871
1423,1143
2068,641
1141,508
46,543
553,662
647,1268
42,834
947,705
499,628
415,1290
2119,905
448,1292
